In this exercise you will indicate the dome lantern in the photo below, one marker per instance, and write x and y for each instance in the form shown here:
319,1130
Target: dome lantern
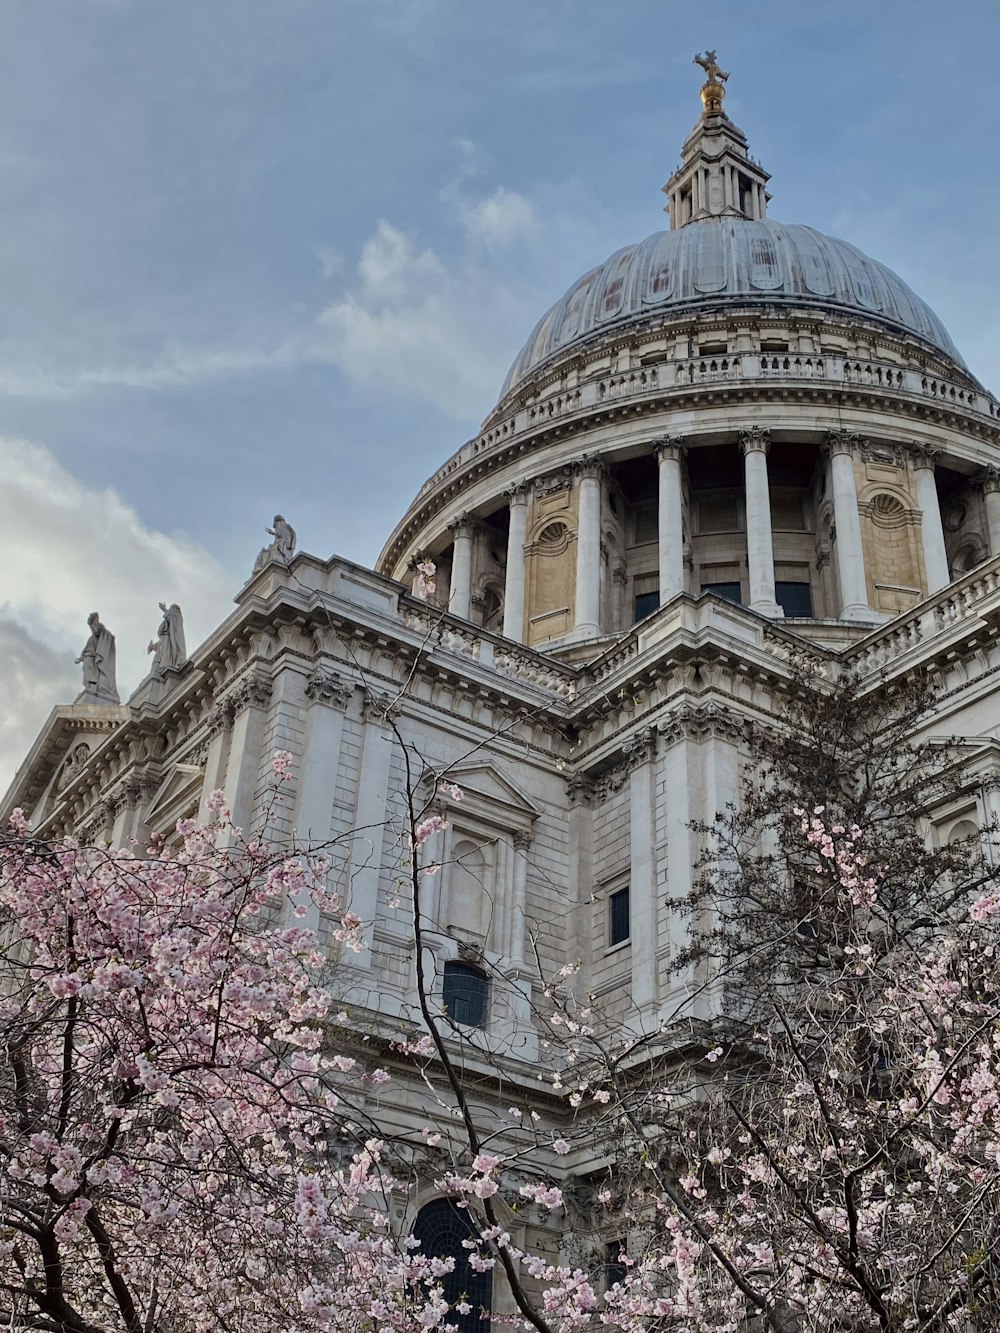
717,177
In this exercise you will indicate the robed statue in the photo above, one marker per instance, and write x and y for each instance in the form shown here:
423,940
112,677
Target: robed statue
281,549
169,652
98,662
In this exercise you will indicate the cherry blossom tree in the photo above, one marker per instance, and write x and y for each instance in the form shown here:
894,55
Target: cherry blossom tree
180,1141
192,1136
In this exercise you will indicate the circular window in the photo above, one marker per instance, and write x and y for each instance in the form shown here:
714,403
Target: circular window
955,516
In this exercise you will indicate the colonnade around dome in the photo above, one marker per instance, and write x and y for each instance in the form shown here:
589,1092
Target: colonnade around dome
832,527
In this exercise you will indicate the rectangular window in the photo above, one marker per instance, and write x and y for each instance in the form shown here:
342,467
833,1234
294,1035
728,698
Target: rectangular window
645,604
713,349
730,591
795,599
614,1269
619,917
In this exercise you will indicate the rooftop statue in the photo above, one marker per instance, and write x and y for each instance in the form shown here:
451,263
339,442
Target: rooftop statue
168,649
281,549
98,662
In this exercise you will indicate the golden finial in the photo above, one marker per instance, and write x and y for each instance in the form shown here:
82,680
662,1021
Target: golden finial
712,91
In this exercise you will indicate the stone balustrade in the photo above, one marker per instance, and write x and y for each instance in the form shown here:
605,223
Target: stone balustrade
441,632
677,375
957,611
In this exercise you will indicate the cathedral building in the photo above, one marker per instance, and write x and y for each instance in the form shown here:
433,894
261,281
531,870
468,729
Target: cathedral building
733,445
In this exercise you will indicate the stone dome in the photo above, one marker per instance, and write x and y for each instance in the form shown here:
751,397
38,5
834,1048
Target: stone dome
723,261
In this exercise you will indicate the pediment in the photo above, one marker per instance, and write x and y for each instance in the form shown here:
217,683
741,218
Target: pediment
489,790
62,750
175,798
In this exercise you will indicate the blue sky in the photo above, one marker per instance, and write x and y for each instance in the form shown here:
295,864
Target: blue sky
263,255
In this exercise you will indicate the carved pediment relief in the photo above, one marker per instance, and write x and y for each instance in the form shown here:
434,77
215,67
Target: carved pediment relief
63,750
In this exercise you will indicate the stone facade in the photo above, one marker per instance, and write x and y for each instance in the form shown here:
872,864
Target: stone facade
658,518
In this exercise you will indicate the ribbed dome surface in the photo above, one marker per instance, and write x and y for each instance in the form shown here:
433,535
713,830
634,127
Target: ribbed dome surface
728,260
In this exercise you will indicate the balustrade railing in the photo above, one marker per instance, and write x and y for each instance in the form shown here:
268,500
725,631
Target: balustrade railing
679,373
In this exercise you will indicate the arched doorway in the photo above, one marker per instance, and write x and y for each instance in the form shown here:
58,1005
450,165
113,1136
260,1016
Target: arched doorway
441,1226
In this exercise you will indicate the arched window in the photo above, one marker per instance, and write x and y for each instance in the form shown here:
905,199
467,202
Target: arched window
466,994
441,1227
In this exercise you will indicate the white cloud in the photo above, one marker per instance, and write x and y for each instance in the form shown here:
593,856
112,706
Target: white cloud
500,219
331,261
69,549
411,323
176,366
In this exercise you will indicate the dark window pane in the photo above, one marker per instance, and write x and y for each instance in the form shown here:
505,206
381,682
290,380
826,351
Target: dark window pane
441,1227
730,591
795,599
614,1269
619,917
466,991
646,603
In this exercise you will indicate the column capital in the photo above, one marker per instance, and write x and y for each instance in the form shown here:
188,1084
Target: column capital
521,838
987,481
640,749
673,447
326,687
590,467
253,691
463,526
755,440
842,442
518,493
924,455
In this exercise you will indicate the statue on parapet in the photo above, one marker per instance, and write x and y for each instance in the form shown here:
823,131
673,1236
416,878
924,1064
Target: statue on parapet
281,549
98,661
168,649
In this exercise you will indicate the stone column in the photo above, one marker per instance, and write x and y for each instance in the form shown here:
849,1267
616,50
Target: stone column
988,482
641,759
931,527
369,822
850,553
754,444
669,451
460,597
588,547
513,595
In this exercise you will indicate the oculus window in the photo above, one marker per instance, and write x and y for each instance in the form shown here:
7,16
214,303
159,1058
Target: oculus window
466,994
